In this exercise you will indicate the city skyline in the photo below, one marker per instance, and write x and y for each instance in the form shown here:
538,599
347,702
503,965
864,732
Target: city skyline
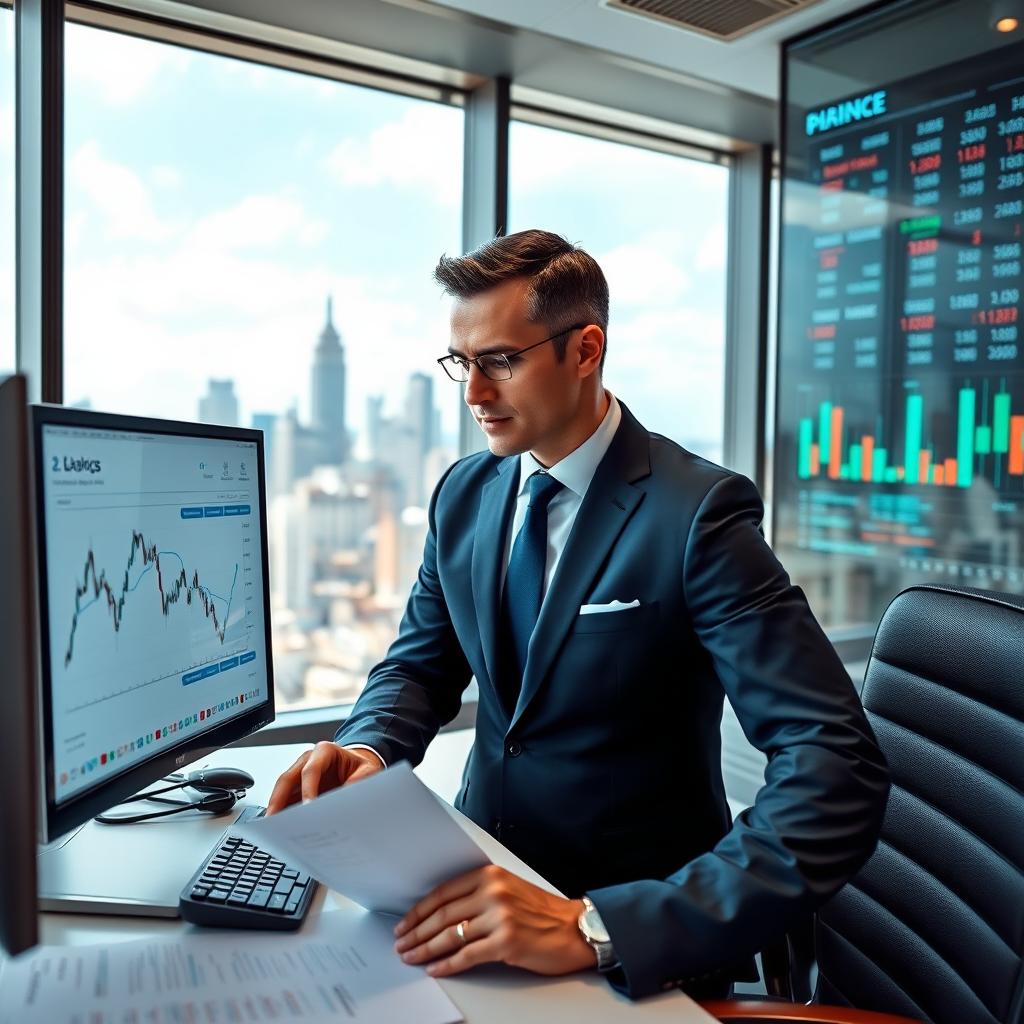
194,254
346,520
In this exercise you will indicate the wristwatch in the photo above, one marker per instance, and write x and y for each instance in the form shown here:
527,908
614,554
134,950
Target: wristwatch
596,936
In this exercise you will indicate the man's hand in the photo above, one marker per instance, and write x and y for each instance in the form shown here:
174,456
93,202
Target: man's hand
503,919
327,766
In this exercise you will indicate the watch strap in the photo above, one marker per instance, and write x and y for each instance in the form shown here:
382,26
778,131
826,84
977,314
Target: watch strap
605,951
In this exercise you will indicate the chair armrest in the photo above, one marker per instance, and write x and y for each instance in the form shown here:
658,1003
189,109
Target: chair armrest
768,1011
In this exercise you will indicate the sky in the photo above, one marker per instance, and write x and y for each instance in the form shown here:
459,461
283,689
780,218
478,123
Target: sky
212,206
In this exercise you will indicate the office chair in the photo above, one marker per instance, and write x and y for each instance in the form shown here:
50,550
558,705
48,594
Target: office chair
932,927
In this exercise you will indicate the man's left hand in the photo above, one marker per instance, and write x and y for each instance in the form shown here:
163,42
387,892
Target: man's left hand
503,919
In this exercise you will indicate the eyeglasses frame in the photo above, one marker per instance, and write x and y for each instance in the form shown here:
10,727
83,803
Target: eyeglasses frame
508,366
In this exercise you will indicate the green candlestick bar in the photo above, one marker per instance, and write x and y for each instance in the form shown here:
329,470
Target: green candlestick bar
965,439
824,432
878,457
854,462
804,457
1001,423
983,440
912,451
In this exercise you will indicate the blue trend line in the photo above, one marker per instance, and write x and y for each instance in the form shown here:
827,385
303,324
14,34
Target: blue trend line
129,590
207,589
231,597
149,568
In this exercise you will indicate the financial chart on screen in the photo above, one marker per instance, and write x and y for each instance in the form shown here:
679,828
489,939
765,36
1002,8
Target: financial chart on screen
900,432
154,593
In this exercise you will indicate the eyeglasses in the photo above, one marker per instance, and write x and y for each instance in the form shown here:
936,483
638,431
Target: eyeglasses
494,365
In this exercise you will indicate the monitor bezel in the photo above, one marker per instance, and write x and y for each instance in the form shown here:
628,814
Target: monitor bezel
56,820
19,762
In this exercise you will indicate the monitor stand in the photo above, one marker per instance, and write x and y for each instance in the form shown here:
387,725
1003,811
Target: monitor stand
137,870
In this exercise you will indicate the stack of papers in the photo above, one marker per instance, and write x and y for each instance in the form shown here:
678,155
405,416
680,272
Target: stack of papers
345,968
385,843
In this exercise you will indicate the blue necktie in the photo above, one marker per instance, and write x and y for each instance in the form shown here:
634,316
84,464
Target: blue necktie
524,580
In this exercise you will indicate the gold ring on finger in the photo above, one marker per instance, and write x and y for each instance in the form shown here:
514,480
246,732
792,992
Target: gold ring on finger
460,930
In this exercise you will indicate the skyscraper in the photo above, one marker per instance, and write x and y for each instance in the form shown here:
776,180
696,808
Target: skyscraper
266,421
420,422
329,393
419,408
220,404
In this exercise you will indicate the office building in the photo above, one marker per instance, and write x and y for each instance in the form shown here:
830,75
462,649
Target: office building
219,404
267,422
328,393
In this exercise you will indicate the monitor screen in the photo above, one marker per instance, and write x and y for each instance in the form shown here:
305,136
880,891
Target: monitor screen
899,449
154,598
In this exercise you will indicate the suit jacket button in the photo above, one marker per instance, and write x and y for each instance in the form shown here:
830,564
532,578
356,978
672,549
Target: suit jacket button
514,749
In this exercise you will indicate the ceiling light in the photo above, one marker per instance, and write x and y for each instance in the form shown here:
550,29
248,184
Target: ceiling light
1005,15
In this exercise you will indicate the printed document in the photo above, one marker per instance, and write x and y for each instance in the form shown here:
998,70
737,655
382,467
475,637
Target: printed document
384,843
345,968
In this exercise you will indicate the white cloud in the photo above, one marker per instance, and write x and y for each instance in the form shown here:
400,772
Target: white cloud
164,176
118,194
668,367
121,67
545,159
123,205
76,226
256,222
404,154
145,334
260,77
643,273
711,252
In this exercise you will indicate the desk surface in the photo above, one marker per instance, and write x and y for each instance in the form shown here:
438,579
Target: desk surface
495,994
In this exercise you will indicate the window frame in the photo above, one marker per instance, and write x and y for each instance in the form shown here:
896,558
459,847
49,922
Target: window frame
491,103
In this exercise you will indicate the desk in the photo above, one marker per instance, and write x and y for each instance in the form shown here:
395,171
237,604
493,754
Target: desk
494,994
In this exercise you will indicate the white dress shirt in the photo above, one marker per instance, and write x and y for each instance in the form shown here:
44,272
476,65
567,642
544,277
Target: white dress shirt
574,472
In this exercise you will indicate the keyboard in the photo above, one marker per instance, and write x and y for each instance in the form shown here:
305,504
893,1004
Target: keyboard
241,886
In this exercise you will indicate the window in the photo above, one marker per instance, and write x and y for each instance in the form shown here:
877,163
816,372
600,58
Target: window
6,190
251,245
656,223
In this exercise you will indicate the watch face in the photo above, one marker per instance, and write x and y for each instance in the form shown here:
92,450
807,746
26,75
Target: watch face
593,926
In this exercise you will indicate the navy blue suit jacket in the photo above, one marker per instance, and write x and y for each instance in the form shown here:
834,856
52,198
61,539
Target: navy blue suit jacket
606,775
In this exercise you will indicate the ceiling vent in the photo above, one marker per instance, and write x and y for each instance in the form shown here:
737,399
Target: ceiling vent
724,20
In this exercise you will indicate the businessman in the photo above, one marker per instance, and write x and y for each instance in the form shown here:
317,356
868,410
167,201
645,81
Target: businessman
607,589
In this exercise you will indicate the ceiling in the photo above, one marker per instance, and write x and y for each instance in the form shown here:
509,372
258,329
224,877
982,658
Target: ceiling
750,64
588,56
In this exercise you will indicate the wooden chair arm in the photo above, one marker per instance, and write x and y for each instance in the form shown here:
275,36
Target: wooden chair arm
771,1011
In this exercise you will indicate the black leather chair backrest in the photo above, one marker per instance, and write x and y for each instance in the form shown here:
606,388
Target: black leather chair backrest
933,925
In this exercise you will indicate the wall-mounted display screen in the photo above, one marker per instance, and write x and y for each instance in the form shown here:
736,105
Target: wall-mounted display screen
899,449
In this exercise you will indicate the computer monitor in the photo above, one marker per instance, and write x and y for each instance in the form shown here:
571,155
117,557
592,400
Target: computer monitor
154,601
18,775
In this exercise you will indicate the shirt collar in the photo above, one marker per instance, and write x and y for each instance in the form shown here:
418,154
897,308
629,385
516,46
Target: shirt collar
577,469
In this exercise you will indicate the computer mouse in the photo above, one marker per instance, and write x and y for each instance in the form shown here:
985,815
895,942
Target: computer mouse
207,779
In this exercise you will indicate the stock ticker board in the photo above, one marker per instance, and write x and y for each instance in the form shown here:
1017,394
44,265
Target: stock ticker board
900,443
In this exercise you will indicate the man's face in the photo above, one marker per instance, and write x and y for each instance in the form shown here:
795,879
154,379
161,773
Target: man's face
534,410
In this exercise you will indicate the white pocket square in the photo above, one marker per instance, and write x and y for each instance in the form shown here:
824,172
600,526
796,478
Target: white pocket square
611,606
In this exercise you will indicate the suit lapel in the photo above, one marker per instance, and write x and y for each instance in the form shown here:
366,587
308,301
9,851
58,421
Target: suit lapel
609,504
496,503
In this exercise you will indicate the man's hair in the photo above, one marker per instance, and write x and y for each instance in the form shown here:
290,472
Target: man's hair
566,284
